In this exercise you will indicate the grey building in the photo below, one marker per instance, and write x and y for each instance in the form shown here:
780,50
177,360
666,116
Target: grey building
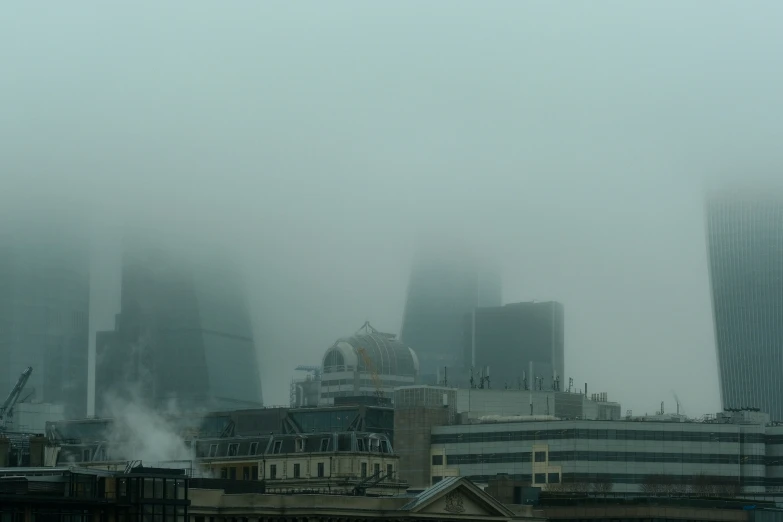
745,244
183,334
626,455
521,343
44,310
444,285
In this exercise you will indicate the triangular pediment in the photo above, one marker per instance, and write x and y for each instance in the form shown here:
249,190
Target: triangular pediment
457,497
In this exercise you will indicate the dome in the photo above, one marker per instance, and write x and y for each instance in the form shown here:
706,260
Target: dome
387,355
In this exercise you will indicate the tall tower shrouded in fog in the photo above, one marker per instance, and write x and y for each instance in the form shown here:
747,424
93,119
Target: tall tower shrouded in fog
745,246
44,310
445,284
183,335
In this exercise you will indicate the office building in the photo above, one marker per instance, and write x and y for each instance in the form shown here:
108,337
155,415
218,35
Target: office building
521,343
445,284
745,242
727,454
44,310
183,335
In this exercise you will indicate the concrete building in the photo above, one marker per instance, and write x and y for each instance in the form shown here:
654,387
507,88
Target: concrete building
445,284
369,363
474,404
730,451
44,310
456,499
522,343
744,236
183,335
417,410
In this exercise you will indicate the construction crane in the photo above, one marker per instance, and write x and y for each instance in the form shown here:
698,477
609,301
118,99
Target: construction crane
373,373
7,409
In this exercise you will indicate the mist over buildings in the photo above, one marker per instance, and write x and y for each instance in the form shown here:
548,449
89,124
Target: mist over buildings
314,144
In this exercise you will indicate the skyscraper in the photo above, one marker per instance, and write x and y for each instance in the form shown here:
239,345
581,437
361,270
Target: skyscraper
183,334
745,246
522,343
44,308
445,284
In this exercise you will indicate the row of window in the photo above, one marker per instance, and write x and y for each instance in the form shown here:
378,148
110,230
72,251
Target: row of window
371,445
589,434
320,469
624,478
605,456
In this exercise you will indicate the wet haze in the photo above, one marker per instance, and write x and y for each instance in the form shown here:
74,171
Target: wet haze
313,140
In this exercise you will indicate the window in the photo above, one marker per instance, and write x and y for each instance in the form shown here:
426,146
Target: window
437,460
320,469
539,478
360,444
389,471
277,447
232,473
213,450
554,478
364,470
300,445
233,449
253,448
245,473
272,471
254,473
540,456
385,446
376,470
224,473
297,469
324,444
86,455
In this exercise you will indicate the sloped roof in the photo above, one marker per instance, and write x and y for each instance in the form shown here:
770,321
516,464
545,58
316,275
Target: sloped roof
449,484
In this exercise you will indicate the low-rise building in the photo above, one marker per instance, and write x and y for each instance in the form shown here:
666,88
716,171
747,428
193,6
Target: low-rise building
455,499
622,456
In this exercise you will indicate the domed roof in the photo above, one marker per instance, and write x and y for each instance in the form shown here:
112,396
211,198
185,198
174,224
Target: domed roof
387,355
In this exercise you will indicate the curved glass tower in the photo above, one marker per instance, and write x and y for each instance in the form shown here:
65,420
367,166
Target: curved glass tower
745,247
445,284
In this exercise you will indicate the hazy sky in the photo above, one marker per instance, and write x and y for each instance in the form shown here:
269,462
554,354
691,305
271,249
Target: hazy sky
315,138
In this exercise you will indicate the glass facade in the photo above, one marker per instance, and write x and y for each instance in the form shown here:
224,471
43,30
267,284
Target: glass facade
183,334
44,312
745,246
509,338
441,290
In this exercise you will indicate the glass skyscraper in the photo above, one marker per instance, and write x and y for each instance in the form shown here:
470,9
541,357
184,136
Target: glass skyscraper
183,335
745,246
445,284
44,310
522,343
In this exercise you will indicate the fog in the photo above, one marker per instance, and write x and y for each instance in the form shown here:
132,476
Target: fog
314,141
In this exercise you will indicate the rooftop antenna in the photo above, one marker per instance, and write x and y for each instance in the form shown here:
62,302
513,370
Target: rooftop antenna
472,381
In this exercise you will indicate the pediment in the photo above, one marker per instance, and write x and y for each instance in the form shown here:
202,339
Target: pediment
458,498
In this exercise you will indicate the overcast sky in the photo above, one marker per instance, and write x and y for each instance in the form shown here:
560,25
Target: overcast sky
314,139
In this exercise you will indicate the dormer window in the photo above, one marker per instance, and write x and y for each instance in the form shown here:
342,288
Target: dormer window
300,445
324,444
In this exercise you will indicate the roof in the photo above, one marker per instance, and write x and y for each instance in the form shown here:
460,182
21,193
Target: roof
449,487
387,355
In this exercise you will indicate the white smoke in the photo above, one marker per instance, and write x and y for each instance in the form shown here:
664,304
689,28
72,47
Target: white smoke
140,433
